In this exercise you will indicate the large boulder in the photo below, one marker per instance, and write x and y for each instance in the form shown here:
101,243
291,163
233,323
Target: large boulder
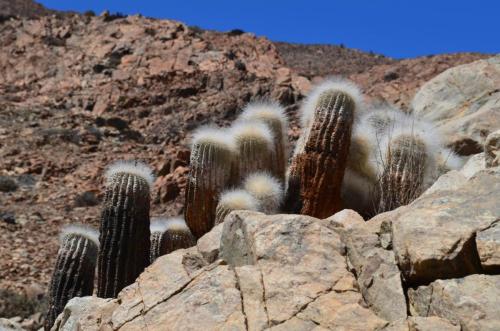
435,236
472,301
465,103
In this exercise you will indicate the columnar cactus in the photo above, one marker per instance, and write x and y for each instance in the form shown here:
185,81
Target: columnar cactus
254,142
157,228
235,200
176,236
318,165
213,159
74,271
124,231
402,178
266,189
273,115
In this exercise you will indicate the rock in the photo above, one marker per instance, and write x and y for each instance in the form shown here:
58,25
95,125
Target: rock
452,180
488,247
471,302
278,272
492,149
87,313
473,165
417,323
464,101
434,237
209,244
378,276
86,199
8,325
7,184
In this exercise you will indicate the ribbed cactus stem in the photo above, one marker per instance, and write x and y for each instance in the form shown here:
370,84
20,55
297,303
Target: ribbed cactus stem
235,200
176,236
254,142
267,189
317,168
157,228
74,271
273,115
124,231
403,174
213,159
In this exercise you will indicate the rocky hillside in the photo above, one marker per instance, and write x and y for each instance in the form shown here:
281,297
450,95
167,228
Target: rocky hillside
22,8
78,92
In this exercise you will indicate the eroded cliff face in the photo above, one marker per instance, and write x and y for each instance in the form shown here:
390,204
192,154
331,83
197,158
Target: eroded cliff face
78,92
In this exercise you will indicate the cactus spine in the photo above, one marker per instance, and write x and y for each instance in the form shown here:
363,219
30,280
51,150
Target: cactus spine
213,156
267,190
176,236
318,165
254,142
273,115
124,231
235,200
402,178
157,228
74,271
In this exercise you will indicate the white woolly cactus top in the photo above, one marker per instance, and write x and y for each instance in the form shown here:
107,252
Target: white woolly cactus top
158,224
239,200
214,136
336,84
252,131
265,110
135,168
80,230
264,186
177,224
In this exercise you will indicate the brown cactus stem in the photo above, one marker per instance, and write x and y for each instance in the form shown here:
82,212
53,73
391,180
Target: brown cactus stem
403,174
124,233
235,200
212,170
155,250
317,169
175,238
73,274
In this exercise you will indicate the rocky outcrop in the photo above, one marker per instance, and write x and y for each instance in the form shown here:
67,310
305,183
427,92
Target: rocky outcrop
464,100
471,302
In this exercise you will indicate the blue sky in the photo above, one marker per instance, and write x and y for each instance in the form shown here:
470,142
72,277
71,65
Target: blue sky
396,28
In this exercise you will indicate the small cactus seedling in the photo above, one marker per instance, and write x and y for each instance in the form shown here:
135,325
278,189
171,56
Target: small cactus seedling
235,200
273,115
266,189
74,270
213,159
402,178
254,142
176,236
157,228
124,231
318,165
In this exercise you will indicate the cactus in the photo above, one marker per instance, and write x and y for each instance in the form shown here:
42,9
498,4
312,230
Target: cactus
212,169
235,200
267,190
124,231
320,157
157,228
176,236
273,115
402,178
74,270
254,142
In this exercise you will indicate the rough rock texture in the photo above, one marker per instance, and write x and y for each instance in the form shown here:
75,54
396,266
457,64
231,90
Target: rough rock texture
435,236
282,271
488,247
492,149
471,301
417,323
465,101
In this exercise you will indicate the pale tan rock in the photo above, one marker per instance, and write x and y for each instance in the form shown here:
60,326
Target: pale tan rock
451,180
472,302
488,248
209,244
8,325
292,251
342,311
434,236
252,291
492,149
347,218
473,165
417,323
87,313
464,102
